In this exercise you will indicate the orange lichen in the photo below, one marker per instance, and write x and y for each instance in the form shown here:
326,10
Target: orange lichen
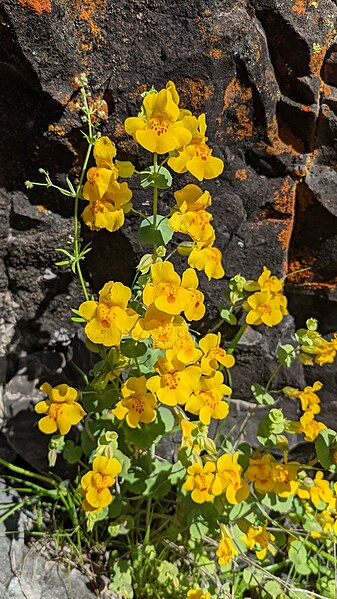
57,129
241,174
326,90
87,9
40,208
215,53
195,93
290,144
284,198
284,236
316,60
38,6
299,7
237,97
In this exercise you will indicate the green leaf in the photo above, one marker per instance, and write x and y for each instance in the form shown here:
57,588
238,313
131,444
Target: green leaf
71,452
159,177
228,316
298,556
261,395
278,504
159,235
326,448
133,349
286,355
93,401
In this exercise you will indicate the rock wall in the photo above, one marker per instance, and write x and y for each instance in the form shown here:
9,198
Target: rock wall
266,73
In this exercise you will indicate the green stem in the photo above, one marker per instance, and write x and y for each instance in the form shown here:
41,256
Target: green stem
19,470
78,194
235,341
155,200
273,375
217,325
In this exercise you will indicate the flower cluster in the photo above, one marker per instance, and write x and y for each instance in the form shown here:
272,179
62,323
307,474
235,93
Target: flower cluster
190,216
267,305
61,408
269,476
257,539
108,199
313,347
310,404
162,127
212,479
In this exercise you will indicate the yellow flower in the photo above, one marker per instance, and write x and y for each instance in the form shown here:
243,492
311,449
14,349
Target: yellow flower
326,352
198,594
96,483
310,427
110,318
190,216
318,490
260,472
175,382
185,350
226,550
187,441
157,129
61,409
164,328
258,536
263,308
137,404
207,258
107,211
207,402
202,482
196,157
265,282
308,397
173,295
165,290
229,472
105,152
285,478
214,354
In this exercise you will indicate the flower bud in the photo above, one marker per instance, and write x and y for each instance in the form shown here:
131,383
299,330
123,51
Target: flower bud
145,263
185,247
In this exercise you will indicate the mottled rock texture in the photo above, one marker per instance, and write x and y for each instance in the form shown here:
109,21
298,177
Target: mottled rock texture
266,73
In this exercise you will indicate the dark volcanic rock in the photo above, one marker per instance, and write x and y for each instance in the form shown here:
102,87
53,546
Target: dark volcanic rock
266,73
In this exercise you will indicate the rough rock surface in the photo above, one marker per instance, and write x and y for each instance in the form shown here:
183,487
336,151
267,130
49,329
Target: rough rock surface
266,73
28,572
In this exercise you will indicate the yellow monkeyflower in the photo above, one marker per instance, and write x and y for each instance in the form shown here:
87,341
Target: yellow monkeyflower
173,295
95,484
327,523
185,350
264,308
310,402
225,551
137,404
190,216
198,594
61,409
326,352
260,472
285,478
214,354
107,212
196,157
208,258
207,401
202,482
318,490
229,472
258,539
104,176
109,318
175,382
158,128
164,328
265,282
187,441
310,427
